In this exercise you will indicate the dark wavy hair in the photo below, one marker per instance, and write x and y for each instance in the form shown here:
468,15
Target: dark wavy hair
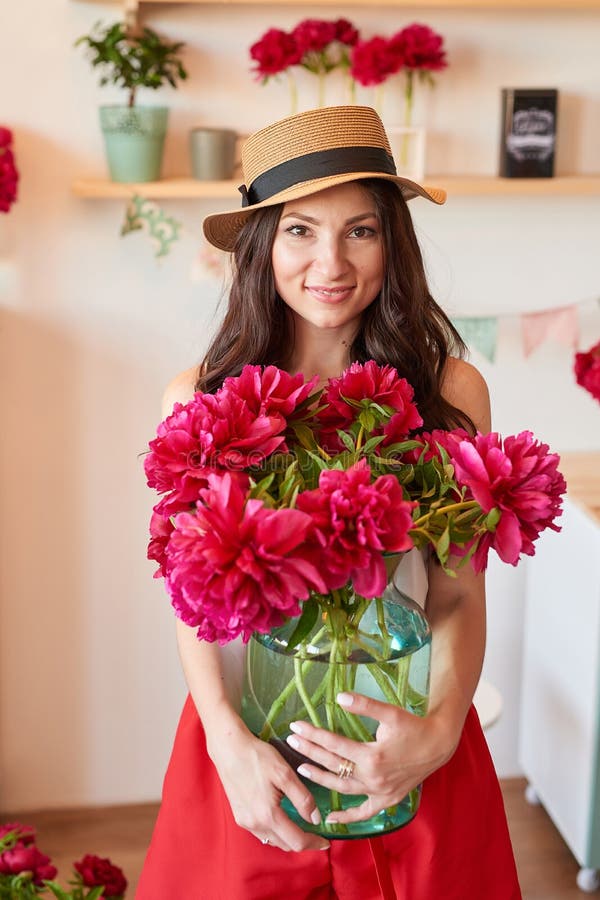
403,326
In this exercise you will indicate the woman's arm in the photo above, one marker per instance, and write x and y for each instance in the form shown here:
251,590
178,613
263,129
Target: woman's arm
408,748
253,774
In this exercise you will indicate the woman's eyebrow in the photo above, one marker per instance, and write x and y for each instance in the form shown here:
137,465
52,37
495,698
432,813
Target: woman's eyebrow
298,215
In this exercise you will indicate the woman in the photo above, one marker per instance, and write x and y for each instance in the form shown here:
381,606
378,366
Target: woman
327,270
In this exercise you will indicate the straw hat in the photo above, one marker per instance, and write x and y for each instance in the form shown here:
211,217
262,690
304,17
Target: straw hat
306,153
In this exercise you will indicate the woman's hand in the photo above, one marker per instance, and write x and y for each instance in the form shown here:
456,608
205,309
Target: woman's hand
255,778
406,749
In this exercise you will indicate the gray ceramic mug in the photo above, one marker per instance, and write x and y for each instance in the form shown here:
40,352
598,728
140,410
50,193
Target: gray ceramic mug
212,153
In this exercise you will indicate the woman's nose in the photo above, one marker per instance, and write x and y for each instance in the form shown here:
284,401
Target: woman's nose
330,259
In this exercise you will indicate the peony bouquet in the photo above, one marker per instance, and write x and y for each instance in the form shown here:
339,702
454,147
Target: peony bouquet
27,873
317,45
415,50
281,508
273,493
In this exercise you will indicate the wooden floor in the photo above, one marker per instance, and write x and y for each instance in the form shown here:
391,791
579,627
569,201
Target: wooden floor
547,869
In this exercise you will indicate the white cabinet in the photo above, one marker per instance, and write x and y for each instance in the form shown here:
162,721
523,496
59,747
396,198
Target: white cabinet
560,712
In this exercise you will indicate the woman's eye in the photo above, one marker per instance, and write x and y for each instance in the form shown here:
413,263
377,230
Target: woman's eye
362,231
299,230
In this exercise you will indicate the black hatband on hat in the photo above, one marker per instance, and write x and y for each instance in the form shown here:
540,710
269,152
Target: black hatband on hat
321,164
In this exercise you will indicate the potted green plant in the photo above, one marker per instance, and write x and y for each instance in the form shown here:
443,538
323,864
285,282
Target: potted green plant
134,135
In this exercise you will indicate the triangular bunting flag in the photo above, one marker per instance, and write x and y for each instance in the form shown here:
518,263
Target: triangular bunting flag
479,332
560,324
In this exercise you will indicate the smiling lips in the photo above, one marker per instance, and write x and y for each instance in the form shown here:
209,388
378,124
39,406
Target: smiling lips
330,294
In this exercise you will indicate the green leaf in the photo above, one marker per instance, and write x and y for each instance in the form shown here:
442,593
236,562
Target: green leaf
304,435
373,442
56,891
443,545
367,420
308,618
347,441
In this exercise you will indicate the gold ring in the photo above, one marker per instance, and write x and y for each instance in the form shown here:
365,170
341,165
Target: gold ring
345,769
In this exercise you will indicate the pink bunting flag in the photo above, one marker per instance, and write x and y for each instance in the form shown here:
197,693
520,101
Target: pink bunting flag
561,324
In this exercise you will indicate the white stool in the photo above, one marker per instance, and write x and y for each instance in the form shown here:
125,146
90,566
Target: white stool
488,703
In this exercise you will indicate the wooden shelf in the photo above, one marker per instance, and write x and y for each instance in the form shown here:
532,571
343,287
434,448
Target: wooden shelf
569,5
456,185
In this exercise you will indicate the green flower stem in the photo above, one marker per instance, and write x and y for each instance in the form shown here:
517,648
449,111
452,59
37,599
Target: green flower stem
278,704
382,682
387,638
408,108
353,724
321,77
351,90
300,687
409,96
331,707
293,92
462,505
402,683
360,438
276,707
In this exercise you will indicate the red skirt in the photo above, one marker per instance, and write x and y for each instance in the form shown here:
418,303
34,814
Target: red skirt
456,848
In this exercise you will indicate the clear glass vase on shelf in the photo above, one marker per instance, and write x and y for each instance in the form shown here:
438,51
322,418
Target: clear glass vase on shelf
378,647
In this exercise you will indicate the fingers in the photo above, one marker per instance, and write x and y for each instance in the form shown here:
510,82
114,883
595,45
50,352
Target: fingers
360,705
291,837
331,780
369,808
314,752
255,800
318,742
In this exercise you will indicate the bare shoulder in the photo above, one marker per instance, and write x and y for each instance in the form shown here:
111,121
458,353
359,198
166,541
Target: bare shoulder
180,390
465,387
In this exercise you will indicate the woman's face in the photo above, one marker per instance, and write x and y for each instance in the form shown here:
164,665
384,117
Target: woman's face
328,256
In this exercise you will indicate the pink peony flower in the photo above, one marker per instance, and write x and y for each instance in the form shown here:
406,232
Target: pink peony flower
587,370
235,566
345,32
22,859
9,175
431,441
420,48
354,522
25,833
6,136
274,52
313,35
373,61
97,870
208,432
161,529
522,480
269,391
368,381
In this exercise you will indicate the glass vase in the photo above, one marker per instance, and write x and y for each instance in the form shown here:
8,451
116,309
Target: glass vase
379,647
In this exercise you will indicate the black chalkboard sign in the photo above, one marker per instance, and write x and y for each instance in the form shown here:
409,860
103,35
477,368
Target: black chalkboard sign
528,137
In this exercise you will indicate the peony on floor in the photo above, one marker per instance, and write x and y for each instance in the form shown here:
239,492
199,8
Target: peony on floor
546,867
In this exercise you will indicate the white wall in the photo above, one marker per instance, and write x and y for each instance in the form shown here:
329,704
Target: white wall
92,329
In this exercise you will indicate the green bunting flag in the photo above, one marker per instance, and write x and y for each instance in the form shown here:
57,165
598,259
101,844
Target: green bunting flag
162,229
480,333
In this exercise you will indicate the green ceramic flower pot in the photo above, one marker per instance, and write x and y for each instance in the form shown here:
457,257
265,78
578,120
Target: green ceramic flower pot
134,139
